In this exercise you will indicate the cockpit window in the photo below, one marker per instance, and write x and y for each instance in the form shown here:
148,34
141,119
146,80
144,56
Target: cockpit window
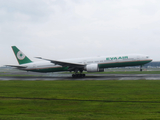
147,56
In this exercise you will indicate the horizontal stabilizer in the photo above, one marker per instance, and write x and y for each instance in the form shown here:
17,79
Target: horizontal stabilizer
16,66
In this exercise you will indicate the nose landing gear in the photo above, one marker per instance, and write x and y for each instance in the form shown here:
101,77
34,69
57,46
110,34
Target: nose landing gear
141,68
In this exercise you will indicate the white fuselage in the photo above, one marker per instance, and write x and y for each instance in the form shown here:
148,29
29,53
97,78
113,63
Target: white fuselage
102,62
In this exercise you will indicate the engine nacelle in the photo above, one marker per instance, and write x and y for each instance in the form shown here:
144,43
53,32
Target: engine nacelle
94,68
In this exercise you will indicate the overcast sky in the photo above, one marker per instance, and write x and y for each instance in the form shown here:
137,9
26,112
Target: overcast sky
58,29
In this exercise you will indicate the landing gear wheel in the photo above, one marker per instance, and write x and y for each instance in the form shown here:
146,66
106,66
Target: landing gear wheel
83,75
73,75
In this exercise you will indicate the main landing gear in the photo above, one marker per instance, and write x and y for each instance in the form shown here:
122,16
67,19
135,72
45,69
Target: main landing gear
78,75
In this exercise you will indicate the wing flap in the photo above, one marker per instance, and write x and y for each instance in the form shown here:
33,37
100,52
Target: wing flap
64,64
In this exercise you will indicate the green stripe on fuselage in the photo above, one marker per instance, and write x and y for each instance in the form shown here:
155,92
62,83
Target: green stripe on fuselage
122,64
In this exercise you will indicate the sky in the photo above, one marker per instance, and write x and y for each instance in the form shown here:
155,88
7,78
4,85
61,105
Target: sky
61,29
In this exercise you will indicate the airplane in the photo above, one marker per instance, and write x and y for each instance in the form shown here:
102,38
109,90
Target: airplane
78,65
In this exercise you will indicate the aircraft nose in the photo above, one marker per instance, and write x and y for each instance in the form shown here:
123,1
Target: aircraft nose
150,59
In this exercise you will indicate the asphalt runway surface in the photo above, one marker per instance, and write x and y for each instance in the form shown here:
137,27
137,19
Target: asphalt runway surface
88,77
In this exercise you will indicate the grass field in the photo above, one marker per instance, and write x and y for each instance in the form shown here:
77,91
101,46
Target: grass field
80,100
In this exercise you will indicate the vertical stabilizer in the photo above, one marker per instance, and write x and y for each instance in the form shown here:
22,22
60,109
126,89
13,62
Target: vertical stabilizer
21,57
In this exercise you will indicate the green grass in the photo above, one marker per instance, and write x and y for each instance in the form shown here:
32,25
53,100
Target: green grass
80,100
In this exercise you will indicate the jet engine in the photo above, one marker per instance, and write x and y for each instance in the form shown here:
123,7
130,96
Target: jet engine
94,68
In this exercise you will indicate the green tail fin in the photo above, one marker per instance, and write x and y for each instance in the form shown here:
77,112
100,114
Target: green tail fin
21,57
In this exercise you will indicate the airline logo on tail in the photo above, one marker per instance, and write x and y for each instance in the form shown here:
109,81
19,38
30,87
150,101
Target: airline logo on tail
20,55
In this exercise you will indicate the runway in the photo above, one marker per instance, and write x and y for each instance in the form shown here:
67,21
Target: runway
88,77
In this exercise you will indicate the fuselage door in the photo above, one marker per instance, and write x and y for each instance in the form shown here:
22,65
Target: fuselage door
34,66
85,62
138,57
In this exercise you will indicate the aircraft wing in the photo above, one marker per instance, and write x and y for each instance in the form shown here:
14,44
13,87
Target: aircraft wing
64,64
17,66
